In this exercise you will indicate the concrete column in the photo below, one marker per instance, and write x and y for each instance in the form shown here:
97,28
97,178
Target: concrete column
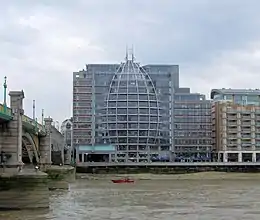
12,133
77,155
219,157
45,143
62,153
240,157
225,157
254,157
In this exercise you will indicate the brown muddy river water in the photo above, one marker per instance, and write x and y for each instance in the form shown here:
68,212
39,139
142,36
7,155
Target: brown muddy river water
151,199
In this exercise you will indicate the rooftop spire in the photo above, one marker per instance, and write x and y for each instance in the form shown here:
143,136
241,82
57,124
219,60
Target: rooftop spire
130,53
133,57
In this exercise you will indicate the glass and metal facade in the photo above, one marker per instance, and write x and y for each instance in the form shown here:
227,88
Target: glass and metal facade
127,106
192,124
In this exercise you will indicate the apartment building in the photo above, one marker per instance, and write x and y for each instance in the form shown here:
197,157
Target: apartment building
236,125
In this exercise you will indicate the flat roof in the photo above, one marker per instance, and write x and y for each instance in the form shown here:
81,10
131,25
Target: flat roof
234,92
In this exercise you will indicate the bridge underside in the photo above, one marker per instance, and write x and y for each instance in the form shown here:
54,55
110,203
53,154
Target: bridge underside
3,120
29,150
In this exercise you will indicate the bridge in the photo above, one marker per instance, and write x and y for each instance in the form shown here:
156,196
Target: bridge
24,140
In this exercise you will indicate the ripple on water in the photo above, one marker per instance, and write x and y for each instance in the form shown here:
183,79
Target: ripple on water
99,200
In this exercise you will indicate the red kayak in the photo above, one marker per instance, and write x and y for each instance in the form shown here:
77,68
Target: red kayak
123,181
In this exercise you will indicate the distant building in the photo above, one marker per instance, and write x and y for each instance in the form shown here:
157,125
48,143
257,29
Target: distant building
236,124
66,130
192,126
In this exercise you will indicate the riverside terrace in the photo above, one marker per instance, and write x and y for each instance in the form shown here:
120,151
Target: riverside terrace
167,167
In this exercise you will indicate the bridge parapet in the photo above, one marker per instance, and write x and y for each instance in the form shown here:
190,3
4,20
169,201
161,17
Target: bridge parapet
33,125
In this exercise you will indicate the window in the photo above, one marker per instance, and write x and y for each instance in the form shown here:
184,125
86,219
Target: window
133,104
132,97
132,111
143,97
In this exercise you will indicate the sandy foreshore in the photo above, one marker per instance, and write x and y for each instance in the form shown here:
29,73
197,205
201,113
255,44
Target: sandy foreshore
190,176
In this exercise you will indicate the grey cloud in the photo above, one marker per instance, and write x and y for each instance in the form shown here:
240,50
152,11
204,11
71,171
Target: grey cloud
43,42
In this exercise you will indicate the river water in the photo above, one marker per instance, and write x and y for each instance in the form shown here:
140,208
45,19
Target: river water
151,199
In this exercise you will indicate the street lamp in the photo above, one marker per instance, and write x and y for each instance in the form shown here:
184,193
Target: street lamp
5,88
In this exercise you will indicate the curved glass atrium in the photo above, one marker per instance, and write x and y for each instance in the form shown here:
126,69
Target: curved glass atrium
132,116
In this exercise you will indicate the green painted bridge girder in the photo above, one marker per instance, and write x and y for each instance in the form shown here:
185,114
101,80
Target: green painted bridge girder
33,125
28,123
5,113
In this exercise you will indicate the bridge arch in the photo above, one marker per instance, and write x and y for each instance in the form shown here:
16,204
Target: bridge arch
29,149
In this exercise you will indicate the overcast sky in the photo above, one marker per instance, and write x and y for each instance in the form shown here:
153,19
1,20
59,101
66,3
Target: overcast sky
216,43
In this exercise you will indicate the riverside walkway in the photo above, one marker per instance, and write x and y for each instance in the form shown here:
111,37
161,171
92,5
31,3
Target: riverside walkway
168,164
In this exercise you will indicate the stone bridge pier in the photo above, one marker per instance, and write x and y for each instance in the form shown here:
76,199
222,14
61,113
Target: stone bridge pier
45,145
11,134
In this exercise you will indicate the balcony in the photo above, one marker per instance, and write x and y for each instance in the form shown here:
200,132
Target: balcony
231,137
246,136
232,148
232,131
232,124
232,118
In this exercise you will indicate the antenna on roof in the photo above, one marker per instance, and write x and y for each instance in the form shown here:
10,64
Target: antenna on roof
133,57
130,53
126,53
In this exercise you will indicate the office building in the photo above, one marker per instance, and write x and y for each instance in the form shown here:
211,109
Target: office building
123,112
192,126
236,124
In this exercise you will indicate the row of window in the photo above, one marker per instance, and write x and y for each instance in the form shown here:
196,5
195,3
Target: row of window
192,141
192,148
137,140
131,103
238,98
130,82
186,134
133,126
183,106
127,111
193,126
137,90
85,89
192,112
193,120
124,111
134,97
131,118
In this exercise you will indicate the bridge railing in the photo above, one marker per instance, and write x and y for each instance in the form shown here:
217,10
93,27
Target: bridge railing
39,127
5,110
